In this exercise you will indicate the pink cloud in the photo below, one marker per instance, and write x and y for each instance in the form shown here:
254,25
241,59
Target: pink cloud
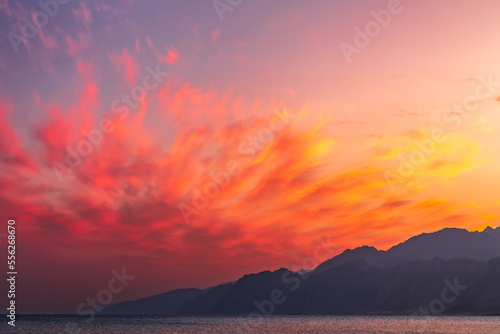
125,64
215,34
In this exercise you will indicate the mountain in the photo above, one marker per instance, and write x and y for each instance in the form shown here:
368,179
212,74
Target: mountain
448,243
451,271
161,304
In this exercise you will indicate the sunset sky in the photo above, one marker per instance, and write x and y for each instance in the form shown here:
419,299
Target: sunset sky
263,138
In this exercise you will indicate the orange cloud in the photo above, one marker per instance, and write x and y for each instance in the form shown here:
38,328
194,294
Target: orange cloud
261,186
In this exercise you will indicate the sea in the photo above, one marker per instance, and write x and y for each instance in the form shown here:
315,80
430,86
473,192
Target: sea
40,324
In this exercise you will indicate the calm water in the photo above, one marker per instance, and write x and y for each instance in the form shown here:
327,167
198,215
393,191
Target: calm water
278,324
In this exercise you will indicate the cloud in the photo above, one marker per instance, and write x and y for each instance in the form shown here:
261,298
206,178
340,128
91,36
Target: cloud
297,179
215,35
170,57
125,64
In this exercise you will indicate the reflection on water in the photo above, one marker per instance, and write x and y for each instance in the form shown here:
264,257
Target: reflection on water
278,324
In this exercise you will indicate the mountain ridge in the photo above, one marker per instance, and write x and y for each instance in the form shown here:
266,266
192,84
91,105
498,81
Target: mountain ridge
362,280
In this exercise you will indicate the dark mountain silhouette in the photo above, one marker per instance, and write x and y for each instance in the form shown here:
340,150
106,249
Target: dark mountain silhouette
164,303
451,271
448,243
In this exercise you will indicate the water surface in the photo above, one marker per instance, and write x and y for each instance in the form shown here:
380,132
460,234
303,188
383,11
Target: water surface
275,324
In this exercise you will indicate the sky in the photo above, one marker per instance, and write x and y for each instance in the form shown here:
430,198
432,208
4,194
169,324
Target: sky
193,142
